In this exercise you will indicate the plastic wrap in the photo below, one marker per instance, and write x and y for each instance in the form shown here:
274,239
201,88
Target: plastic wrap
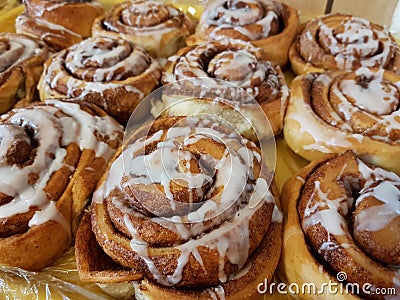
61,280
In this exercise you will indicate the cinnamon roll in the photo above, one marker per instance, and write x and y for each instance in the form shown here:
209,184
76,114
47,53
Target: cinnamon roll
231,73
59,23
268,24
51,157
21,64
186,210
343,42
343,220
110,72
159,28
338,110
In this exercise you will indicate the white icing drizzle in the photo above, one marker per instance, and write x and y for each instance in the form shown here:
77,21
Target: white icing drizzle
153,10
87,55
161,167
219,16
330,213
50,212
217,293
277,215
158,20
239,63
16,48
378,102
376,98
358,41
327,212
309,122
231,238
384,186
86,68
9,135
53,134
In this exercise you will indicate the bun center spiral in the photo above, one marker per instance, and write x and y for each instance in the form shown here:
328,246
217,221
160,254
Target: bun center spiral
372,93
15,145
239,13
145,14
173,175
350,212
105,59
350,37
14,49
233,66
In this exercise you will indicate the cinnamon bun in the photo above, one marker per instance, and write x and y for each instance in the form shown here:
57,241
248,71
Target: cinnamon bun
159,28
51,157
21,64
338,110
231,73
342,228
112,73
59,23
186,210
343,42
268,24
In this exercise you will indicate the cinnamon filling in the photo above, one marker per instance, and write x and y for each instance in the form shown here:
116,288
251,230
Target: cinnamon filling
350,213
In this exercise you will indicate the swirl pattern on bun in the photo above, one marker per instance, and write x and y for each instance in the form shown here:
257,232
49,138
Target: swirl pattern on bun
186,208
160,29
343,42
112,73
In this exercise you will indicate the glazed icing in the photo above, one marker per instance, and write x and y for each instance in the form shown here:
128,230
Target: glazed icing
332,213
15,48
73,126
378,183
385,187
236,62
354,41
228,206
97,65
235,15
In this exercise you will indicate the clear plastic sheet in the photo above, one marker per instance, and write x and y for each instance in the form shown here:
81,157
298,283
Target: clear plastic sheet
61,280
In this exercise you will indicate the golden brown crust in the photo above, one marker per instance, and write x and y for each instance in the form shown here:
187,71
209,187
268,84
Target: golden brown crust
216,71
313,252
60,24
335,111
21,64
44,223
119,233
160,29
275,43
343,42
117,83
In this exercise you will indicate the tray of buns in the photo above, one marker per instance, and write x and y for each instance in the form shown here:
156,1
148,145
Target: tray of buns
225,149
